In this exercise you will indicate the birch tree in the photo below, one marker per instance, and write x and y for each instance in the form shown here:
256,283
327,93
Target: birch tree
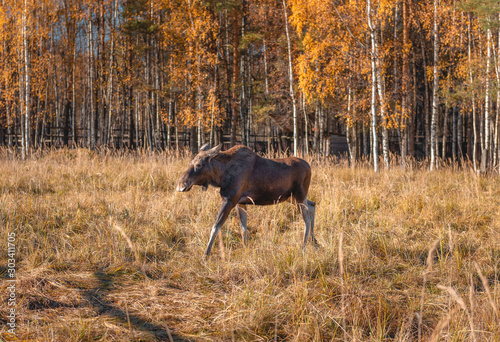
435,87
373,109
290,77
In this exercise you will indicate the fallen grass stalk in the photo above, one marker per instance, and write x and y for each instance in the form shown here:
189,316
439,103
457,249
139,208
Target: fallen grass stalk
487,289
458,299
129,242
342,281
428,269
442,324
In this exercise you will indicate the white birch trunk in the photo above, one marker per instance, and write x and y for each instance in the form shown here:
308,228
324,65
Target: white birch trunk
349,137
170,109
497,123
496,148
290,76
73,98
445,121
110,80
435,104
426,106
91,85
266,92
316,128
406,120
306,125
21,97
474,128
374,85
266,81
321,130
26,84
486,131
381,95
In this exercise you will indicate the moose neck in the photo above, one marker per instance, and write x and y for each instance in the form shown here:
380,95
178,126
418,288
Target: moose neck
218,164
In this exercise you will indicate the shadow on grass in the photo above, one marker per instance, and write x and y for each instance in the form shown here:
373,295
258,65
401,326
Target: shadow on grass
97,297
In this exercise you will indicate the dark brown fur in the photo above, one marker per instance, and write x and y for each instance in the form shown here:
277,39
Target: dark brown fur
246,178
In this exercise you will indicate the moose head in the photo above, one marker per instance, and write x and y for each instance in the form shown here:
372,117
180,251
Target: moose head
200,171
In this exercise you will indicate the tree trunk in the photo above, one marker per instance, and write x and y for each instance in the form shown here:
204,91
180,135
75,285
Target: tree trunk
350,137
373,87
412,114
316,128
321,129
459,135
27,94
435,88
110,80
266,97
290,78
405,115
426,120
243,101
471,84
73,97
66,119
445,119
381,95
497,121
236,74
91,137
454,134
365,140
495,132
486,131
136,119
306,126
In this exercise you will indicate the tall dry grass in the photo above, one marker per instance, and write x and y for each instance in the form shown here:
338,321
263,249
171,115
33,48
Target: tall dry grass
108,251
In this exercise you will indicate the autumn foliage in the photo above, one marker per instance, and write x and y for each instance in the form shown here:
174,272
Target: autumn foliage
405,78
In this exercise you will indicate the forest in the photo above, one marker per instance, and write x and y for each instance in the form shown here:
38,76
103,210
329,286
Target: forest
399,79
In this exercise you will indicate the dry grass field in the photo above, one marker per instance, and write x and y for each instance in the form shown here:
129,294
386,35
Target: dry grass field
107,250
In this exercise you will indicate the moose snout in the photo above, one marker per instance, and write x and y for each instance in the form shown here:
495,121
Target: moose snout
184,184
182,187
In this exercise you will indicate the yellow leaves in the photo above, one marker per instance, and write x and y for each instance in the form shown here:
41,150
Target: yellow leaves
207,115
191,29
188,116
385,8
3,18
395,117
190,19
299,15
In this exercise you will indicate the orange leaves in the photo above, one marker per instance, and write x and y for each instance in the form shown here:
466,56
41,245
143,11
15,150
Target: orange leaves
191,29
207,114
336,55
331,36
189,21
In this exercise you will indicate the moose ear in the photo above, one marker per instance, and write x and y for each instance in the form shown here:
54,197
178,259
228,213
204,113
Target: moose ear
205,147
215,150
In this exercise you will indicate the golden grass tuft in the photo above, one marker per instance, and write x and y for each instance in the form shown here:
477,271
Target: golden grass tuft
108,251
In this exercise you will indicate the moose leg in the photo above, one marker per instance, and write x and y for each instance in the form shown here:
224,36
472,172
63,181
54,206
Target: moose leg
242,214
307,210
224,211
311,206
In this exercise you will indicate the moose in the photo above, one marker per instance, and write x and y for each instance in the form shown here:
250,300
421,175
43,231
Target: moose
245,178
